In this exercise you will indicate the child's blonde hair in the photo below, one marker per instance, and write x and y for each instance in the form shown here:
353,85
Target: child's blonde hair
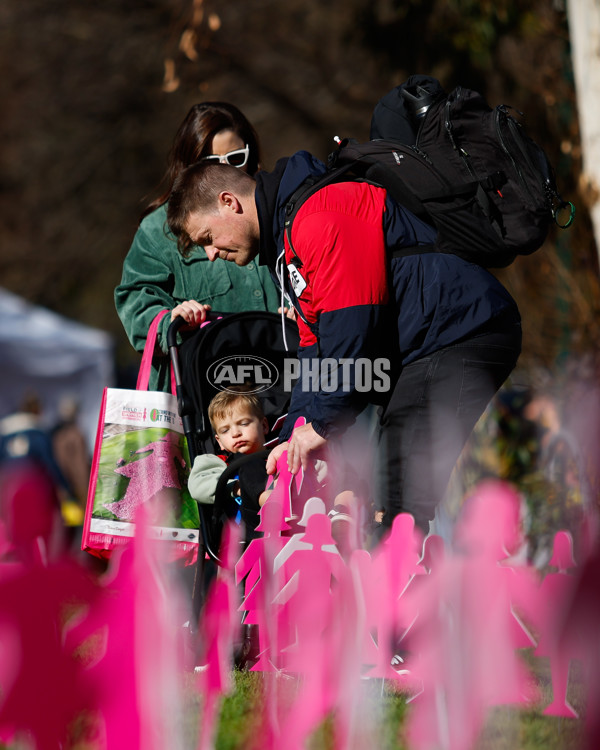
224,402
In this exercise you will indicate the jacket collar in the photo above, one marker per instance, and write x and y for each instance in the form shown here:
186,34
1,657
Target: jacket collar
273,191
267,188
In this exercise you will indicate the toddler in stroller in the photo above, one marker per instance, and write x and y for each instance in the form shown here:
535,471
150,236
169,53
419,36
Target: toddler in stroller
240,428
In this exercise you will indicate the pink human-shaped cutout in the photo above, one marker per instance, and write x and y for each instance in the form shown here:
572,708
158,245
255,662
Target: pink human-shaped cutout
496,509
556,590
36,582
577,628
315,548
434,551
308,613
342,668
152,477
318,552
431,564
463,633
296,541
395,562
137,661
217,630
37,667
506,545
284,481
256,565
361,566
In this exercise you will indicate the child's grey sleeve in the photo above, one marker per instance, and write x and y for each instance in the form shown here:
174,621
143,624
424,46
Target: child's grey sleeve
204,476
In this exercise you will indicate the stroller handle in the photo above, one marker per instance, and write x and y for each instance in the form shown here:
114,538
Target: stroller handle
176,324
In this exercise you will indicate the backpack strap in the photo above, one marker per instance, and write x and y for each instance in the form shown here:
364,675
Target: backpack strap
402,252
313,184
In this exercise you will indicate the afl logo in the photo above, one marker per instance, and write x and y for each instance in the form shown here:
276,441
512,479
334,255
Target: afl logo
229,373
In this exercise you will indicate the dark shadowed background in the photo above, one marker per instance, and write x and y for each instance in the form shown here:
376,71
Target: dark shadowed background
92,94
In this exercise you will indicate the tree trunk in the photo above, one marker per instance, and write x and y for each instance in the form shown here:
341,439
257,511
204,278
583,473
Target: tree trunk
584,30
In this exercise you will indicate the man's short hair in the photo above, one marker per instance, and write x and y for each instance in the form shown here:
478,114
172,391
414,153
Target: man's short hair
197,188
224,402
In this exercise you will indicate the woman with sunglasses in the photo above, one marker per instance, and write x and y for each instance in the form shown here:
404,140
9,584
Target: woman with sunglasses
156,276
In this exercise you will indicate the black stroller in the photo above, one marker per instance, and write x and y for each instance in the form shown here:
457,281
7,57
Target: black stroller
246,348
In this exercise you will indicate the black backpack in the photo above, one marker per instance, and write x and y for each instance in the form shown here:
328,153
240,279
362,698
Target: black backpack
469,170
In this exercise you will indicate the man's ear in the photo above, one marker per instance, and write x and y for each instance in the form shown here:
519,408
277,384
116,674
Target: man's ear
230,201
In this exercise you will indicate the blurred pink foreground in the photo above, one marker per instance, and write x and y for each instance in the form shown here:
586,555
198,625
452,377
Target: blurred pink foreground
442,622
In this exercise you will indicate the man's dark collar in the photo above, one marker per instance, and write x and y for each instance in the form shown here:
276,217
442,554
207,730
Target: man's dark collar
267,186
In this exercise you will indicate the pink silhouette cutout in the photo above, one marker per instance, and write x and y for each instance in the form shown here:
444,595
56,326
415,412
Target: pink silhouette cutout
282,490
256,565
338,674
138,661
151,477
361,566
556,590
37,667
395,562
496,507
577,627
425,579
218,627
307,613
296,541
463,632
434,553
283,482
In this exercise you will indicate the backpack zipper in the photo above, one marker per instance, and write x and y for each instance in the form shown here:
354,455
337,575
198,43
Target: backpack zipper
420,153
499,112
464,155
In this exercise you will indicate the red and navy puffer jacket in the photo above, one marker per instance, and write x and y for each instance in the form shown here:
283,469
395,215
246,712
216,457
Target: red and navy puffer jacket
355,300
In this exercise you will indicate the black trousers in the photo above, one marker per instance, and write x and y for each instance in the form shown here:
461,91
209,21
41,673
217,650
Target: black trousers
433,408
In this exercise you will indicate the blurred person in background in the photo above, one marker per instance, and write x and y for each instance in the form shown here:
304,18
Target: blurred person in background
73,458
32,486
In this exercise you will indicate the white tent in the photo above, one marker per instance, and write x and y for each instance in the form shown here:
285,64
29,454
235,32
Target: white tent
54,358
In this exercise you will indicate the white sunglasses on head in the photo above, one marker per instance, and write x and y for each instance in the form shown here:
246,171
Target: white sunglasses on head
237,158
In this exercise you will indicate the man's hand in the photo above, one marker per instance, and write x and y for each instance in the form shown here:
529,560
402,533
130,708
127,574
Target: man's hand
303,442
194,313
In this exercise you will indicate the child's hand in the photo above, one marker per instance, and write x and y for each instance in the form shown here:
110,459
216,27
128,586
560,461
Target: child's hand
263,497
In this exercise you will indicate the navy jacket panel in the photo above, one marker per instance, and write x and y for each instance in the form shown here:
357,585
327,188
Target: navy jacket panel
352,365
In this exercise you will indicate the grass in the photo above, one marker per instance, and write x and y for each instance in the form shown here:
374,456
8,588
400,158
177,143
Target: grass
242,712
383,712
379,721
